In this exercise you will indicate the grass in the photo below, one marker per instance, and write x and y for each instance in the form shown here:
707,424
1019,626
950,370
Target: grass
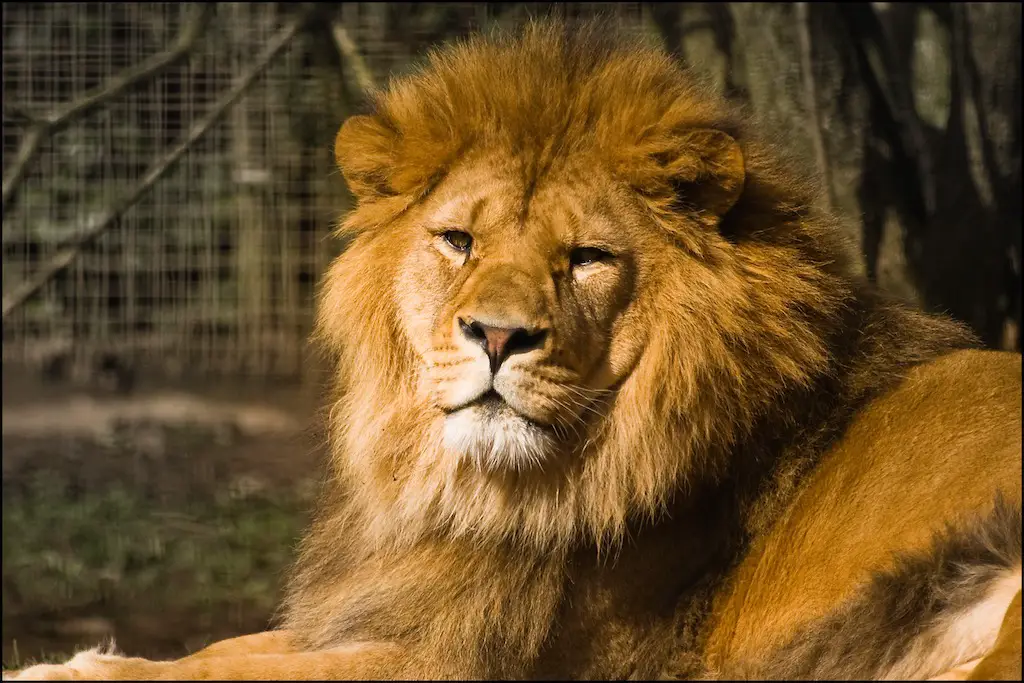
118,555
17,662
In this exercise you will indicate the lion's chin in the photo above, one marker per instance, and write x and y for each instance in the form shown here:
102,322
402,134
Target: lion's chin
498,439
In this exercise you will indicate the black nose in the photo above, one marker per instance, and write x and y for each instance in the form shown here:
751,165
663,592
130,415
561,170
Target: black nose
501,342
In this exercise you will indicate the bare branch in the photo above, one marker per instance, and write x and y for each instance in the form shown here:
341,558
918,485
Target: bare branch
43,126
18,113
803,16
350,52
73,246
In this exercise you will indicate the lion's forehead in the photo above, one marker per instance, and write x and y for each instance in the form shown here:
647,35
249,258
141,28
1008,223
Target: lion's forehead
561,207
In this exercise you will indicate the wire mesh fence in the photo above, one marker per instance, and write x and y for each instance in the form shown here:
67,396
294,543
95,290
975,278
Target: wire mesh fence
212,271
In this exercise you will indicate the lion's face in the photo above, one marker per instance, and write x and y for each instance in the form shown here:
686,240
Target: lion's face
571,286
522,321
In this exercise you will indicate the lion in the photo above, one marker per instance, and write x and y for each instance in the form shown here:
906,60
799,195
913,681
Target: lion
614,402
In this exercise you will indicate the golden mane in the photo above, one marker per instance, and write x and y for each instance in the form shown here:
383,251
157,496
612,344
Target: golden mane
754,331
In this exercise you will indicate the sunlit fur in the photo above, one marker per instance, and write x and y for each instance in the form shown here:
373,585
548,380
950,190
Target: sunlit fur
724,328
732,307
494,443
731,314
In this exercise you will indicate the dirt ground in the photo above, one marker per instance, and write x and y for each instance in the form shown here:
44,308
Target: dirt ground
164,518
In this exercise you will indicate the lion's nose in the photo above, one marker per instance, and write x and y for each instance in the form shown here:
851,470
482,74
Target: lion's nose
501,342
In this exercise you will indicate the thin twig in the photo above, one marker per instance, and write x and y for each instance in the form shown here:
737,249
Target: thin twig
350,52
97,227
803,15
43,126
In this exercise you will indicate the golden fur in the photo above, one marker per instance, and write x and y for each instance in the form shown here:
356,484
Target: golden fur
718,439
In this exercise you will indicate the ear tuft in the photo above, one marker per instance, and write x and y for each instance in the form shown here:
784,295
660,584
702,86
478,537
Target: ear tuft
364,151
706,170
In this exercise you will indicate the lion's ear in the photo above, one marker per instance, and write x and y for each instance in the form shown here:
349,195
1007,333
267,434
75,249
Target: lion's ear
364,150
705,168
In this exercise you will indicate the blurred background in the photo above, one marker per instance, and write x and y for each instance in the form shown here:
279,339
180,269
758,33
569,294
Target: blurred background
169,193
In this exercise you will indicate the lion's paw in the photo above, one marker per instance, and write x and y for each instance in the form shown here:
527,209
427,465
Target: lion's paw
44,672
88,665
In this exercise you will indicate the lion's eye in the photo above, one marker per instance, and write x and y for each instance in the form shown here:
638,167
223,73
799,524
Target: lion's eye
458,240
584,256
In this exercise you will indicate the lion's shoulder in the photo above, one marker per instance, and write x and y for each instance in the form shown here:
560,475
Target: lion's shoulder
927,456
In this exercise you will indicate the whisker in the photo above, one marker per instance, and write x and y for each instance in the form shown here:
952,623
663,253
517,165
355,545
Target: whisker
587,391
570,425
586,405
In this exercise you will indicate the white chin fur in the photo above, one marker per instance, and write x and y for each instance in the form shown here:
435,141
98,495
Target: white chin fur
496,441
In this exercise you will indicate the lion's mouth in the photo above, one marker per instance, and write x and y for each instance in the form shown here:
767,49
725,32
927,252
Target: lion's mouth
491,431
493,406
491,402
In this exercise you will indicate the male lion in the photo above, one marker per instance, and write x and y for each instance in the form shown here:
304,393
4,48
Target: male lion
614,403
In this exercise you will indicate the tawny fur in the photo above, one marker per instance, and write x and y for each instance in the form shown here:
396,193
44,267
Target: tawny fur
749,431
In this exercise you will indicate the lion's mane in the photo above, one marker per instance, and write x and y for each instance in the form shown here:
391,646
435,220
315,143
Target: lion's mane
772,326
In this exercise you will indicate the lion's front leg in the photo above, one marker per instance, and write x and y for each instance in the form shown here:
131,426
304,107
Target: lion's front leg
90,665
267,642
234,661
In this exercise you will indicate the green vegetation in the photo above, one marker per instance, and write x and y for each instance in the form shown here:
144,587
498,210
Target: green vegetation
214,564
